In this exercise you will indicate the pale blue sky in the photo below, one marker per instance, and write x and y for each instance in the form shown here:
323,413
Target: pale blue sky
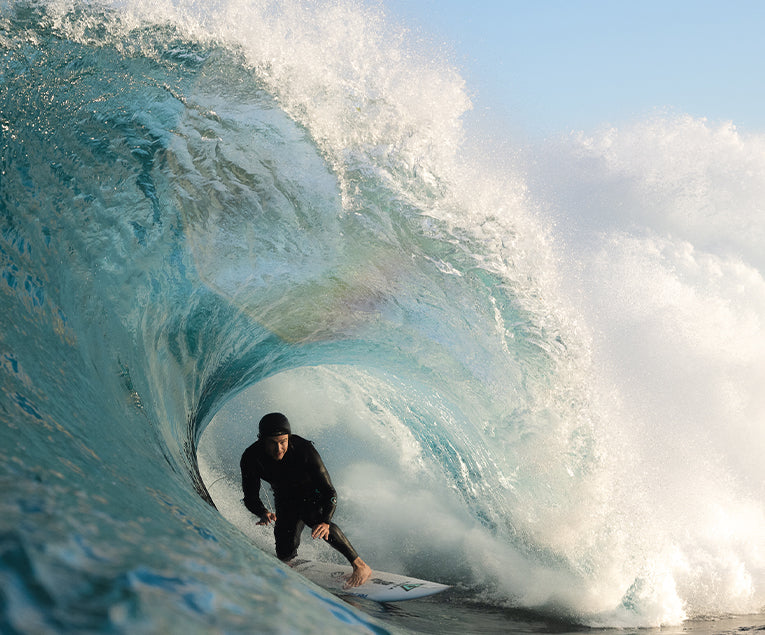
556,65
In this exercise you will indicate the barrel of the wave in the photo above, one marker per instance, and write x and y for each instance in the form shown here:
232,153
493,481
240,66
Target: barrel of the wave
304,495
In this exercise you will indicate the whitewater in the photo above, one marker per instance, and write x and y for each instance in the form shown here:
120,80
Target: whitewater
533,370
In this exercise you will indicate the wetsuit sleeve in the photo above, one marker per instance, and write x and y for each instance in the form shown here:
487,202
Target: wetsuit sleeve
322,483
251,487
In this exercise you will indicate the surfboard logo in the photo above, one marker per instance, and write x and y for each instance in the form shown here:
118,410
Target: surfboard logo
381,586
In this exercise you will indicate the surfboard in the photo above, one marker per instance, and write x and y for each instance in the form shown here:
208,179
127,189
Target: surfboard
381,586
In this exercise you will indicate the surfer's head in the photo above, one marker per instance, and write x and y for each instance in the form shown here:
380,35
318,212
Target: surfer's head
274,432
274,424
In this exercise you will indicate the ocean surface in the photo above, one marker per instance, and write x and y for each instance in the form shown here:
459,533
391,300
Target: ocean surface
534,370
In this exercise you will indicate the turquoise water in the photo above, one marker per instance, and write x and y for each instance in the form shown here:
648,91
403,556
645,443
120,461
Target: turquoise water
533,375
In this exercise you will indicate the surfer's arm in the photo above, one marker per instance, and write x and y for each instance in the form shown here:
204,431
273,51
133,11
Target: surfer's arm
323,485
267,519
251,489
252,498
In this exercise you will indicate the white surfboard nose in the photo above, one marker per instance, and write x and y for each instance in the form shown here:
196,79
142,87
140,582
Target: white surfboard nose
381,586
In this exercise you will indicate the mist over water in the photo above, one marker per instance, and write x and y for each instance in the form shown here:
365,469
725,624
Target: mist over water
671,282
535,376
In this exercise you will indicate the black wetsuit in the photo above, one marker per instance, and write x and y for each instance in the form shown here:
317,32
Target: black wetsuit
303,494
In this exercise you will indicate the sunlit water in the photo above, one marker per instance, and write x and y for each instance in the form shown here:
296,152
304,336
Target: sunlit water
535,375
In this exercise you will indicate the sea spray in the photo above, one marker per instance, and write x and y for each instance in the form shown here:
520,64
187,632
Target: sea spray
661,221
520,372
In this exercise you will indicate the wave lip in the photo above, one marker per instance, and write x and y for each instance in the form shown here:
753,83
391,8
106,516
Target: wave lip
114,351
197,206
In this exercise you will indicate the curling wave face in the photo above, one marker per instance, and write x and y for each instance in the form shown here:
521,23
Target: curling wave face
251,207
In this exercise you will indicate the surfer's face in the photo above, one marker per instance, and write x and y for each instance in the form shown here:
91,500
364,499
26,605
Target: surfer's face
276,447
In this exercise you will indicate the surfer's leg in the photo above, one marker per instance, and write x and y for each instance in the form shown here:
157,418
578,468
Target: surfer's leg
312,515
337,539
339,542
361,571
287,532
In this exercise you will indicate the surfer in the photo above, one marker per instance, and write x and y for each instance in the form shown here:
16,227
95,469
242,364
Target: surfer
303,492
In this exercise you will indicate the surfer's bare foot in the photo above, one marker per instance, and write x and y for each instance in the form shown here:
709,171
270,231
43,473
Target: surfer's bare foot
361,573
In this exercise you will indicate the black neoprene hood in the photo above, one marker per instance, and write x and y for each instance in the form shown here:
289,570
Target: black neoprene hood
273,424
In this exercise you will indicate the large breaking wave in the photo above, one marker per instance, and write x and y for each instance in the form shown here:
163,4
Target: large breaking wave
535,377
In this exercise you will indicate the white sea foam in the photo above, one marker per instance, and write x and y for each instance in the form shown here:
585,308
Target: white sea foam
563,351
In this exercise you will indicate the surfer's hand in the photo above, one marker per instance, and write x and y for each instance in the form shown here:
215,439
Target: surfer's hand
320,531
267,519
